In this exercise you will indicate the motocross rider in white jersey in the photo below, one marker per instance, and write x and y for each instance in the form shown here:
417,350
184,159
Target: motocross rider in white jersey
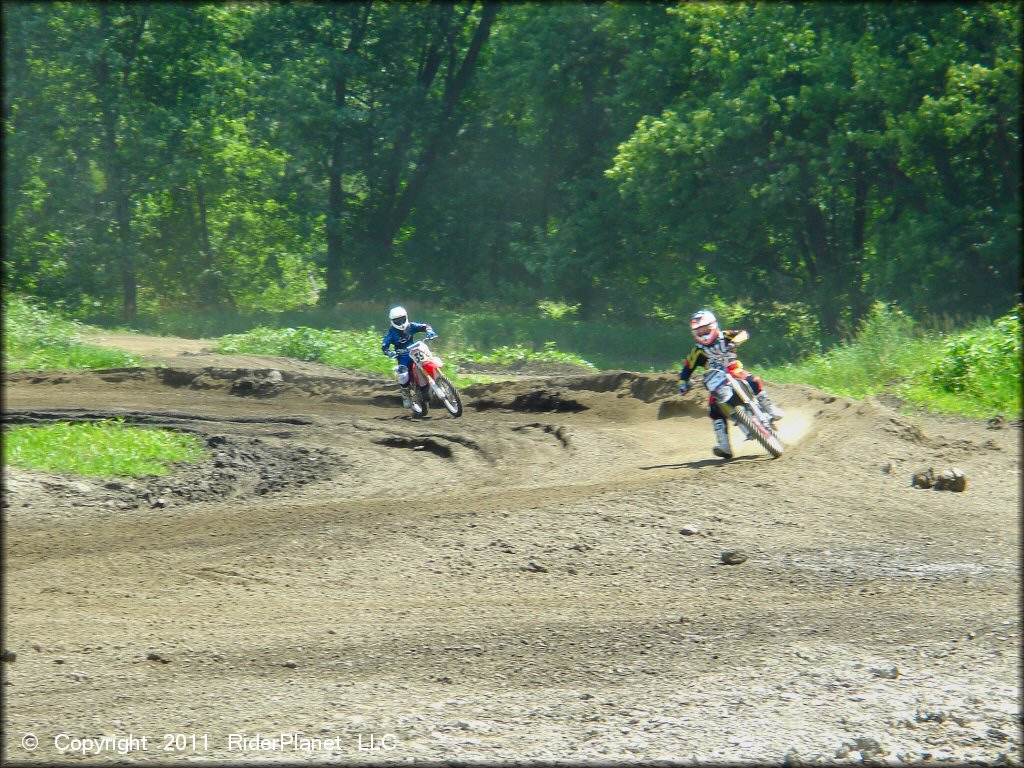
717,347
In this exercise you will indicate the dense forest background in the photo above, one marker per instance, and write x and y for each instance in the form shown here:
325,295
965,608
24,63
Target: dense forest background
790,163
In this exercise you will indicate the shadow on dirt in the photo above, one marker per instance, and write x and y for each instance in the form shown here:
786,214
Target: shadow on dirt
716,462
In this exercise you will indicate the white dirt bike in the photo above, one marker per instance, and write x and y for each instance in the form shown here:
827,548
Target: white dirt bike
737,400
426,380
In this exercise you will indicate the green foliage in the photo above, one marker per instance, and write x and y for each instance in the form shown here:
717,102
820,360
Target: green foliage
358,350
627,160
884,349
109,448
975,372
556,310
518,356
35,339
836,152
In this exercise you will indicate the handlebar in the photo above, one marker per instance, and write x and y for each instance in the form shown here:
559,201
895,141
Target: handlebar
396,352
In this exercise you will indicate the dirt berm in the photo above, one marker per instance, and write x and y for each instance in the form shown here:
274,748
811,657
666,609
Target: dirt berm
543,579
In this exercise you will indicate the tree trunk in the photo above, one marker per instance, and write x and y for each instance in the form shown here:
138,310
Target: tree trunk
858,303
392,210
336,200
335,241
212,292
827,302
110,95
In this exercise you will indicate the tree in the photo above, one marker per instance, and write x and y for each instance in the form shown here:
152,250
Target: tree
367,98
73,121
775,166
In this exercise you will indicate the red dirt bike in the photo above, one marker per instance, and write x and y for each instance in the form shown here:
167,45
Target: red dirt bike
736,398
426,379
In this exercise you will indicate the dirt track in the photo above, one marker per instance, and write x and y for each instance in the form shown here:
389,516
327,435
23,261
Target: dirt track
520,584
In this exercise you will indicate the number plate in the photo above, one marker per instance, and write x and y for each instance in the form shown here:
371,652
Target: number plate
418,353
724,393
714,380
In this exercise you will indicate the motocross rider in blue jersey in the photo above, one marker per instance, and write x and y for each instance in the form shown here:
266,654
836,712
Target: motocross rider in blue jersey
717,346
399,336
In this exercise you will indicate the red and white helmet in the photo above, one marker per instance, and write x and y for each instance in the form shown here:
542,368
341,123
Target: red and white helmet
704,326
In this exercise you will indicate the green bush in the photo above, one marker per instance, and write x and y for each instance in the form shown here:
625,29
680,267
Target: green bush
977,372
35,339
359,350
518,356
886,347
974,373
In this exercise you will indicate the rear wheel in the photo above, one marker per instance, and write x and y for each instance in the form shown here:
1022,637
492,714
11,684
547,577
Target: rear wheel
768,441
451,399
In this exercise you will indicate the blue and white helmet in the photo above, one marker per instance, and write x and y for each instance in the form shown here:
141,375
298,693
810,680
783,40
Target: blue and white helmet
399,318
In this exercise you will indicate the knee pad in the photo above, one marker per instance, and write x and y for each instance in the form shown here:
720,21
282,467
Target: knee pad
402,372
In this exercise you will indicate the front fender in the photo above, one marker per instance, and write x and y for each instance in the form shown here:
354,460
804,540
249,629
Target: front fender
433,368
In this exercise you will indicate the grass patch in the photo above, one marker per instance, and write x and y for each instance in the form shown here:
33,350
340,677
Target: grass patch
778,332
360,351
36,340
976,372
99,449
886,347
519,357
604,342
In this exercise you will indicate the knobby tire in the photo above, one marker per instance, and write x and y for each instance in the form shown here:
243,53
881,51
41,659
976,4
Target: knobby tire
453,402
767,440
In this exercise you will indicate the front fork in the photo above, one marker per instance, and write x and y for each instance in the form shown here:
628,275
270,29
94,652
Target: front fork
431,379
730,413
430,375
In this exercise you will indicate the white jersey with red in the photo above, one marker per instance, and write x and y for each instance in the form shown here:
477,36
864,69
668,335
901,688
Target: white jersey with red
720,352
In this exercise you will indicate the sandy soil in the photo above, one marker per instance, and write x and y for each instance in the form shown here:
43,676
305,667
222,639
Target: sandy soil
541,579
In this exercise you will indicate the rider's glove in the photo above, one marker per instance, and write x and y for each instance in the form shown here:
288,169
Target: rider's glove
684,387
431,335
391,353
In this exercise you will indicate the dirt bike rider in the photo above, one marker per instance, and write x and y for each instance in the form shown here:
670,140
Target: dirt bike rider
717,346
400,336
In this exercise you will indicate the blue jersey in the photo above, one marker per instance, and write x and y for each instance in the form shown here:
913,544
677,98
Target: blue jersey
402,339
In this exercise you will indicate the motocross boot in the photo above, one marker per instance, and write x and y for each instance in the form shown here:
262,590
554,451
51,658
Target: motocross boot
413,404
774,412
409,404
722,447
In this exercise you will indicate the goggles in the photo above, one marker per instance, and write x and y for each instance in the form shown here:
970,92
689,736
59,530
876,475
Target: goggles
705,334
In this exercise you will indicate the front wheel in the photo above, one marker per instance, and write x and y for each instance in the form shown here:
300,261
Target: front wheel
422,397
451,398
757,430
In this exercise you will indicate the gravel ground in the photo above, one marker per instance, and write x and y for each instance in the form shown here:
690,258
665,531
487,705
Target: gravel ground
543,579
